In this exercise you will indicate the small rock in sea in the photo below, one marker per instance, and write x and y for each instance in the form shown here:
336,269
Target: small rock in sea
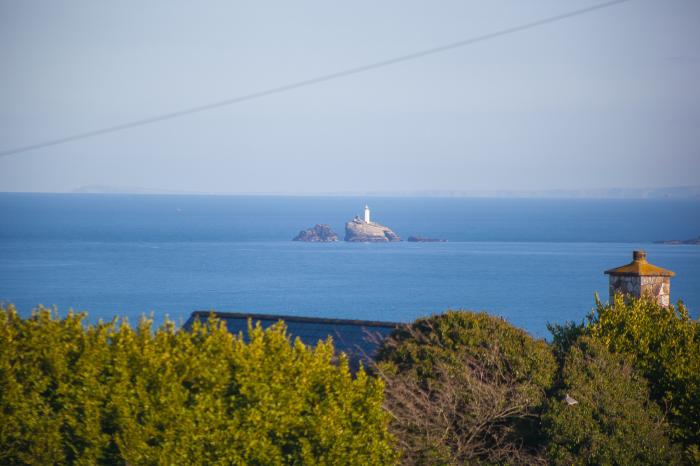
319,233
423,239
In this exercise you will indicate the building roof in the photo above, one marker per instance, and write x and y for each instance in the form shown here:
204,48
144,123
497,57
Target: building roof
640,267
359,339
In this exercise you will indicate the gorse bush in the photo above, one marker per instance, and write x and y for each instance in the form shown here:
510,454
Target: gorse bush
113,394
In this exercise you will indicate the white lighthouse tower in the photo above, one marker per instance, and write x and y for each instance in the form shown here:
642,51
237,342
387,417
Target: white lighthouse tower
367,214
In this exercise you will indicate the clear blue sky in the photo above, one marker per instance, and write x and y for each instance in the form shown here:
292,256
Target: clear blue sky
607,99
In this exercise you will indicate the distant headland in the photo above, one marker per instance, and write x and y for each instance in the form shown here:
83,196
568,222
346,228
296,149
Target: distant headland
671,192
679,241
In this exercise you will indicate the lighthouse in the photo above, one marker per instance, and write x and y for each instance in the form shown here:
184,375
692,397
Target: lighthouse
367,214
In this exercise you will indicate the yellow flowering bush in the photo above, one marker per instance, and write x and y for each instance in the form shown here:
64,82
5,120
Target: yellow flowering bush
72,393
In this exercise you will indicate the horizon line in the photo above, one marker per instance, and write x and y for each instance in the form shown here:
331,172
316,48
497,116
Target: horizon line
686,192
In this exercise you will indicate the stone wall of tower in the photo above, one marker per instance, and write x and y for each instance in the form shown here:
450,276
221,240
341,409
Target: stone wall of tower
625,284
657,287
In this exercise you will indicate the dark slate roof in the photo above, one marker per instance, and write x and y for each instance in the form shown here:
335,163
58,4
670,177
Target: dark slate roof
359,339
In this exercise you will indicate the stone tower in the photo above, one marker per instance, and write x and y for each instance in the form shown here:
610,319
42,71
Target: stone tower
640,278
367,214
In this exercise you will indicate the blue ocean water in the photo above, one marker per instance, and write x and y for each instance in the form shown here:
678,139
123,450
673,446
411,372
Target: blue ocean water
530,261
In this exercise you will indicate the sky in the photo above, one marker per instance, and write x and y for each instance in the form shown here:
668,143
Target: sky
607,99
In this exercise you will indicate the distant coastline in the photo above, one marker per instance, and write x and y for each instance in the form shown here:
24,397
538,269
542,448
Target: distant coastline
673,193
680,241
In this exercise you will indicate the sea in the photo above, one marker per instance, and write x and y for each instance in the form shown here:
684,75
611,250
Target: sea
530,261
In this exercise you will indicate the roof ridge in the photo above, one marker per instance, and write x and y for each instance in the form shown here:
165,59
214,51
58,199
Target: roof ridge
288,318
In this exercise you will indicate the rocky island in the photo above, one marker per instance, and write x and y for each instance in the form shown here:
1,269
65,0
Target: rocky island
319,233
360,230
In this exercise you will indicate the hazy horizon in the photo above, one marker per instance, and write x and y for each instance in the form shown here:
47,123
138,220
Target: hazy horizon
687,193
606,100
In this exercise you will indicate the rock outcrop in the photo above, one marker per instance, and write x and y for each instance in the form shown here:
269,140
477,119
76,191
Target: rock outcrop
359,231
319,233
423,239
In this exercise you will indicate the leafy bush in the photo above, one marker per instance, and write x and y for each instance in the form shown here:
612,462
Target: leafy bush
664,343
465,387
111,394
613,421
449,336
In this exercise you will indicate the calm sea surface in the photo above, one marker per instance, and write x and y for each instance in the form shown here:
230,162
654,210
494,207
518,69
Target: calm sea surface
530,261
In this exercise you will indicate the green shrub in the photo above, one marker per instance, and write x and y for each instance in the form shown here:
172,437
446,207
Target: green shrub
613,421
664,344
465,387
449,336
112,394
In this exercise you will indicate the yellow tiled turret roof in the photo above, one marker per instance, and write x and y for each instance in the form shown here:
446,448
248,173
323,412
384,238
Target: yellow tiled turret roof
639,266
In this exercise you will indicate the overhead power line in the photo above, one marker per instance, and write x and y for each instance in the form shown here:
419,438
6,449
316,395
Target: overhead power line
311,81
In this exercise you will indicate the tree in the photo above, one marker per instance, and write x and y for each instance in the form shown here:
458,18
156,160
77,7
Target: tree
113,394
465,387
664,344
609,417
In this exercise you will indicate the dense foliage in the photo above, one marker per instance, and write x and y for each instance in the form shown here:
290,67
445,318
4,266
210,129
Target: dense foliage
664,344
609,418
113,394
448,337
623,387
465,387
470,388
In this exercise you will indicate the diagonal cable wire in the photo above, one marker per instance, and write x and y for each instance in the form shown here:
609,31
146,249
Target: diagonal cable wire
309,82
